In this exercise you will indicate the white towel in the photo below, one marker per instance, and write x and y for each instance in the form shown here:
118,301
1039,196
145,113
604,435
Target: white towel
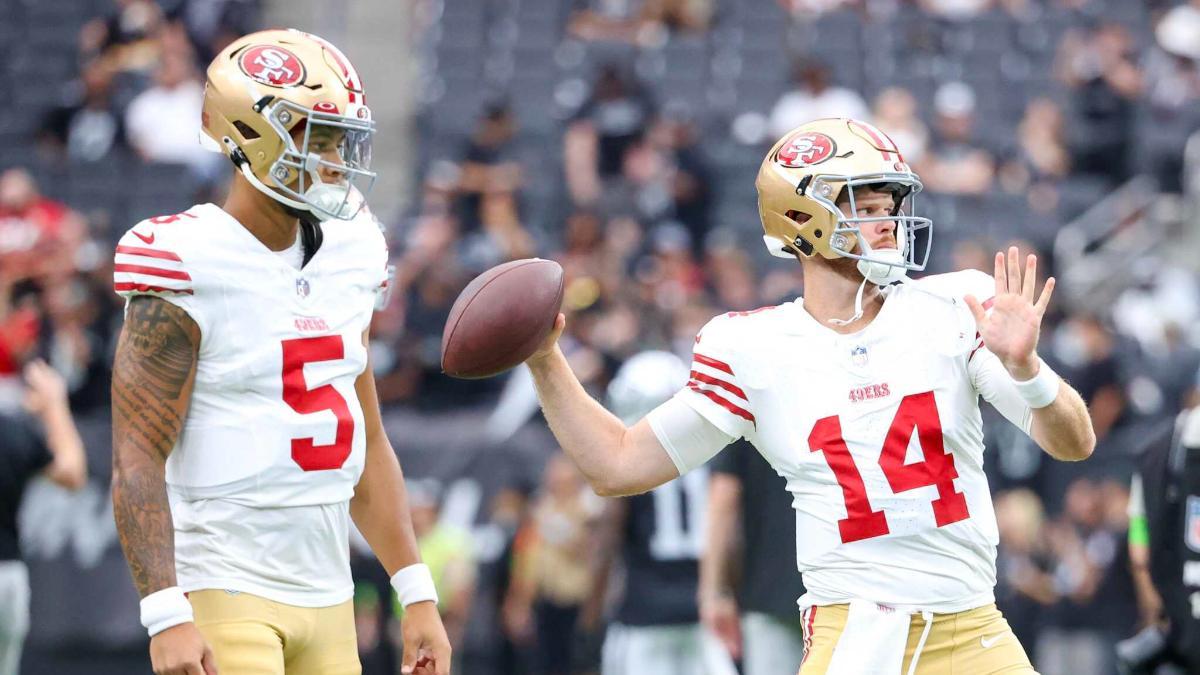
872,642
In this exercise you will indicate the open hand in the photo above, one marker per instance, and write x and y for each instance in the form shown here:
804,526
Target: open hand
1010,328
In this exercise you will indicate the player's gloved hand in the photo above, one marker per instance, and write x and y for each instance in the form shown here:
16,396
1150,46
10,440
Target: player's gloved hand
426,647
719,613
1010,330
181,650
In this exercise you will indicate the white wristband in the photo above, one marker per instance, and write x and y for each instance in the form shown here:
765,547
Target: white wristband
1040,391
166,608
414,584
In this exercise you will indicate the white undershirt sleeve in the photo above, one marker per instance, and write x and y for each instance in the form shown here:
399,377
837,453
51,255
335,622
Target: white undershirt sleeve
997,387
687,436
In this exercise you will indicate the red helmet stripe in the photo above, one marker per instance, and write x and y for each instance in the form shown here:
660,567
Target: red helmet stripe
885,143
352,80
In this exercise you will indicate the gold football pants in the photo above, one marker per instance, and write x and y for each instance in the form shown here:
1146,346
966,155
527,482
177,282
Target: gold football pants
251,635
975,642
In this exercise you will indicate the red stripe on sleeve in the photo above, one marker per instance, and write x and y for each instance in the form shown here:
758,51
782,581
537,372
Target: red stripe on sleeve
148,252
719,400
152,271
713,363
147,288
706,379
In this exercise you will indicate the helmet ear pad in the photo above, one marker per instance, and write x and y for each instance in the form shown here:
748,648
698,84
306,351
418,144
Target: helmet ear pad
808,238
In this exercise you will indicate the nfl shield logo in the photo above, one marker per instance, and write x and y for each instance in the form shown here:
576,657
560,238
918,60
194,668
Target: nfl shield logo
302,287
1191,530
858,356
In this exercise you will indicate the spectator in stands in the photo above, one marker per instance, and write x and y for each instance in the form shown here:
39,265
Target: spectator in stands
612,120
87,126
430,275
39,236
1091,575
643,22
1172,80
212,24
748,593
643,189
895,113
162,121
955,10
488,163
1040,159
554,578
80,333
20,332
127,36
805,9
1098,67
1024,584
956,164
730,274
507,237
43,442
813,96
675,133
1086,347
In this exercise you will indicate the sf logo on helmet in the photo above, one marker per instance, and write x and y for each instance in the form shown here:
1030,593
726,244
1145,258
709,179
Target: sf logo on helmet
805,149
271,65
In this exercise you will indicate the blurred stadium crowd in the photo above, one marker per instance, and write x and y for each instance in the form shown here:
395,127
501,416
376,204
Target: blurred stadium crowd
621,139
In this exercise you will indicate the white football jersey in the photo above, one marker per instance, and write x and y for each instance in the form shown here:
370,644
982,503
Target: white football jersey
878,435
273,442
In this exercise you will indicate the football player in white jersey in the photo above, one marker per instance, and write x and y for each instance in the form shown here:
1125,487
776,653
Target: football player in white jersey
864,396
246,427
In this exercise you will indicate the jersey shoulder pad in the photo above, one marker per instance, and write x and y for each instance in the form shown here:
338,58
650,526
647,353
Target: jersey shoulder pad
955,285
157,256
736,330
368,246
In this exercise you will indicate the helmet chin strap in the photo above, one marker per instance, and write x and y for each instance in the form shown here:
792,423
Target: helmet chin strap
858,310
878,273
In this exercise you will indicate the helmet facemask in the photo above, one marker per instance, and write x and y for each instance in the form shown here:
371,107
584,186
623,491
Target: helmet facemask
882,266
296,174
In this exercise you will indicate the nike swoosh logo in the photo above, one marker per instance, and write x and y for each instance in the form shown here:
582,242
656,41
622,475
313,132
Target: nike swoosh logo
989,642
148,240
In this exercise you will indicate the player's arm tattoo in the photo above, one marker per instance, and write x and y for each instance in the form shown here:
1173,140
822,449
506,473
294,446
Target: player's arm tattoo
153,373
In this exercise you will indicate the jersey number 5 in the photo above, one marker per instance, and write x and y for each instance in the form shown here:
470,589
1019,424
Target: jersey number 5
917,412
305,401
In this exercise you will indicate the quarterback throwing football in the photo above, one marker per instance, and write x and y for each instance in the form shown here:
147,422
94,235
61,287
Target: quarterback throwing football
246,427
864,396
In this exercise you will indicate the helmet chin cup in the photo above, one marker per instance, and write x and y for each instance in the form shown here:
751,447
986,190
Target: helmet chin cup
332,202
885,267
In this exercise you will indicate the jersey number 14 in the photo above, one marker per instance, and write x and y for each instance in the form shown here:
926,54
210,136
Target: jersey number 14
917,413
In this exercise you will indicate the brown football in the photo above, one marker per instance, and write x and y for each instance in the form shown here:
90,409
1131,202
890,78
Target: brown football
501,317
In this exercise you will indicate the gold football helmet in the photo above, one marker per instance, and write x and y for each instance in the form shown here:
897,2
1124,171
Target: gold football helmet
267,86
820,163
